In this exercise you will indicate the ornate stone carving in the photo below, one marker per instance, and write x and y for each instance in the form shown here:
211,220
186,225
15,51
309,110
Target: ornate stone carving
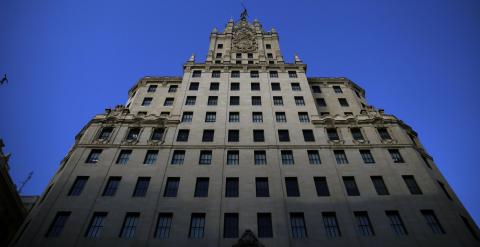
244,37
248,239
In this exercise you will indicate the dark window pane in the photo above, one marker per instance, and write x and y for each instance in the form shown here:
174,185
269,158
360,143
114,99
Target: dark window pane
96,225
432,221
171,187
291,185
197,226
379,185
58,224
129,225
351,186
261,187
201,187
141,187
231,187
208,135
264,225
78,186
321,186
164,225
230,225
331,224
112,186
412,185
364,226
396,223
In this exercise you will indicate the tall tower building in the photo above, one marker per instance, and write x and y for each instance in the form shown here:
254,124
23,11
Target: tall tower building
245,150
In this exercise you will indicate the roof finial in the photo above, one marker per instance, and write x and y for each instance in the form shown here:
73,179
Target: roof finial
244,14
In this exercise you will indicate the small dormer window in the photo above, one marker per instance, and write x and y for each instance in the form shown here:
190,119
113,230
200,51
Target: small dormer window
268,46
197,73
239,55
250,55
269,55
216,74
220,46
219,55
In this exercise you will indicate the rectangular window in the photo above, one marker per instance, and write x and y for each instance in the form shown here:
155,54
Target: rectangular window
321,102
129,225
197,226
234,117
297,222
233,157
190,100
112,186
178,157
444,189
164,225
193,86
256,100
205,157
383,132
273,74
432,221
287,157
337,89
357,134
208,135
201,187
367,157
258,136
78,185
283,136
96,225
239,55
231,187
105,133
291,185
233,135
216,74
268,46
314,157
172,88
316,89
292,74
347,113
351,186
333,134
133,134
296,86
469,227
264,225
197,73
253,74
210,117
152,88
157,134
321,186
261,187
187,117
255,86
379,185
234,86
308,135
303,117
218,55
275,86
331,225
94,156
257,117
396,223
219,46
168,102
412,185
364,226
214,86
396,156
340,156
150,157
343,102
277,100
280,117
299,101
234,100
230,225
260,157
235,74
58,224
147,101
141,187
171,187
124,156
212,100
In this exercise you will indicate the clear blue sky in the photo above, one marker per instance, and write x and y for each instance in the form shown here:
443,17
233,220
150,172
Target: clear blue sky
69,60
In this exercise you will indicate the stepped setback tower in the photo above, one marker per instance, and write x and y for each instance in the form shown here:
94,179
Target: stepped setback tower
245,150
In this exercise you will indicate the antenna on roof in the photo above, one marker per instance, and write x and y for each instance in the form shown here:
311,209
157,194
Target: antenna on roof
25,182
244,13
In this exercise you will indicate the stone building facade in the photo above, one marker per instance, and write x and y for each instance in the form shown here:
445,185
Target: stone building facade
245,150
12,211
